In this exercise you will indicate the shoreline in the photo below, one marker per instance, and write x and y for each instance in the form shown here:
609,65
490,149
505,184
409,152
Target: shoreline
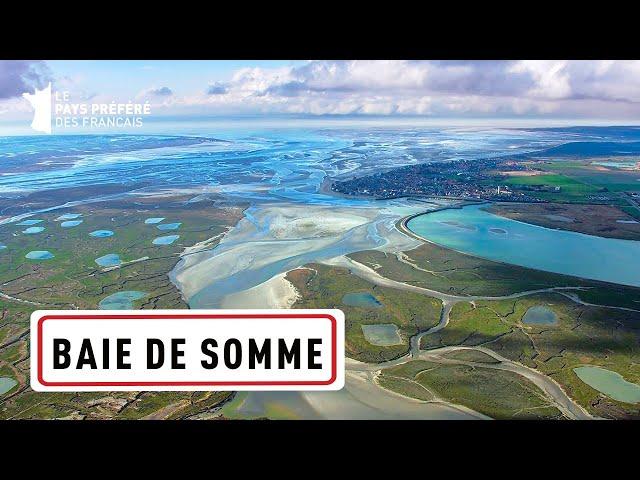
402,226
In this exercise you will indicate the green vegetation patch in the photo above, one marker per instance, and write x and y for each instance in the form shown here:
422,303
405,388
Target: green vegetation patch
72,280
324,287
570,189
499,395
583,335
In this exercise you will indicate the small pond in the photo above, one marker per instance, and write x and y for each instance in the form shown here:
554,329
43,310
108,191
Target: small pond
70,223
26,223
68,216
101,233
32,230
153,220
166,240
6,384
39,255
169,226
540,315
109,260
383,335
120,300
612,384
361,299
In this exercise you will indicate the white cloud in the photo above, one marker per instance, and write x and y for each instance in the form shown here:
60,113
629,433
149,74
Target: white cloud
591,88
586,89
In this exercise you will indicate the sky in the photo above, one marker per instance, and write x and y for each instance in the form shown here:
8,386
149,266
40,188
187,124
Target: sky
598,91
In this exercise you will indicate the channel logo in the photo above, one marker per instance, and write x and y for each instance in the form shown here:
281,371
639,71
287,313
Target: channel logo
41,103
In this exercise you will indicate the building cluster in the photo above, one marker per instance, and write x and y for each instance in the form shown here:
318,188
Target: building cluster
476,179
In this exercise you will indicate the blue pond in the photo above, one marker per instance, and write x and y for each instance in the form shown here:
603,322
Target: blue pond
361,299
166,240
109,260
101,233
153,220
610,383
6,384
29,222
71,223
559,251
169,226
68,216
39,255
540,315
2,246
32,230
120,300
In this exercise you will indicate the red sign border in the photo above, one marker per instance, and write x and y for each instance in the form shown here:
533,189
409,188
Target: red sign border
191,316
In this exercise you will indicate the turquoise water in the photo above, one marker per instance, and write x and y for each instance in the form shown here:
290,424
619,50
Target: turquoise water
32,230
109,260
39,255
361,299
169,226
540,315
120,300
153,220
101,233
71,223
612,384
68,216
468,230
2,246
166,240
26,223
383,335
6,384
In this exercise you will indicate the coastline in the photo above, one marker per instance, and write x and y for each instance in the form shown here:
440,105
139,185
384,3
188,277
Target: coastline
402,226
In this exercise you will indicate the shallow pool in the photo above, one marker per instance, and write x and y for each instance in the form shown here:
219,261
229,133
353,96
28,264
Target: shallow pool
154,220
169,226
101,233
120,300
6,384
71,223
383,334
26,223
612,384
361,299
109,260
166,240
39,255
2,246
540,315
68,216
32,230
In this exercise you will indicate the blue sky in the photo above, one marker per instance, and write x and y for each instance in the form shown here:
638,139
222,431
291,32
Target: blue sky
580,91
127,77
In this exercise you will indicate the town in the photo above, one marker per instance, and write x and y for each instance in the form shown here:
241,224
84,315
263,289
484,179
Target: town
470,179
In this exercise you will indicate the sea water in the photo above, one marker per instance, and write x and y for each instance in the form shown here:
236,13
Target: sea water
559,251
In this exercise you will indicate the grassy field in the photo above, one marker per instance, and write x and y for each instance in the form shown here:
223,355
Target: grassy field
324,287
499,395
585,171
571,189
72,280
448,271
582,336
